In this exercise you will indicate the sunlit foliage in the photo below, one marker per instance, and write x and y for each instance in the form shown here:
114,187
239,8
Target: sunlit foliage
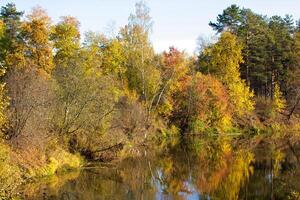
225,58
64,97
203,104
279,102
36,31
10,175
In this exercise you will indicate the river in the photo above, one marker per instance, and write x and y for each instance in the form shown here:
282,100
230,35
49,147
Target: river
192,170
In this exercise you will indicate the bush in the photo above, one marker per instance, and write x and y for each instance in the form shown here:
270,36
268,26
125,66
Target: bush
10,176
59,161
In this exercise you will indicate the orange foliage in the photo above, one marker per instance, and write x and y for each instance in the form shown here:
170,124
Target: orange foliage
202,103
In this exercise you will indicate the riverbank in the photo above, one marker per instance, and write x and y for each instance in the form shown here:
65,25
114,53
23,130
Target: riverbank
214,167
31,165
20,166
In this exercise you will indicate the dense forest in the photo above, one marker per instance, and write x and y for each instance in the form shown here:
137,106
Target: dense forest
66,99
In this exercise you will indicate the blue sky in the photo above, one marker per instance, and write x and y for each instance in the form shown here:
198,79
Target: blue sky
176,22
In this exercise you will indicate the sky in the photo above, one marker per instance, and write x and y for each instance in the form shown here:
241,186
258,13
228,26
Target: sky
176,22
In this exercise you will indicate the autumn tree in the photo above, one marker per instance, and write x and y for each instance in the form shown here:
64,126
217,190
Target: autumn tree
279,102
66,40
141,17
85,98
36,32
12,46
94,43
225,58
139,50
21,44
1,37
202,105
173,68
267,43
141,72
30,96
114,59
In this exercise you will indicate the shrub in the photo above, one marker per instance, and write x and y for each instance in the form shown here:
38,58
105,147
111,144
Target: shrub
59,161
10,176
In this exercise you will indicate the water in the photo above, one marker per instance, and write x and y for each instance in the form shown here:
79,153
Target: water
193,169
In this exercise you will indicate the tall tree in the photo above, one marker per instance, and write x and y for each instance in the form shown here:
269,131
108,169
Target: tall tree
141,17
225,57
85,98
280,49
293,83
93,44
66,39
114,59
255,35
229,20
36,32
141,72
12,47
3,98
267,46
174,68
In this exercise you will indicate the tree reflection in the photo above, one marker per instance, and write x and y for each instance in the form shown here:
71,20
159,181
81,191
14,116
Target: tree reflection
192,168
214,169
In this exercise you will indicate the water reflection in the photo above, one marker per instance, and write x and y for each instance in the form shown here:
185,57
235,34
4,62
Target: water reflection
191,169
276,174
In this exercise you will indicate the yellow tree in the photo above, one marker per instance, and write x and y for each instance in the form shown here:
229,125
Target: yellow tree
225,57
66,39
114,59
174,67
202,105
279,103
12,45
141,71
85,97
29,52
36,32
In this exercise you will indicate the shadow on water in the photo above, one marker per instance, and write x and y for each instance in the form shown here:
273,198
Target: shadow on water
193,168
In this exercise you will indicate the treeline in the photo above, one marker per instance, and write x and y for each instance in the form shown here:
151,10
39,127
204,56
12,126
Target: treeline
55,84
270,50
60,96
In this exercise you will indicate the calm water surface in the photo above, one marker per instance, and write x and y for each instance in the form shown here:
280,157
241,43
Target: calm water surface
195,169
